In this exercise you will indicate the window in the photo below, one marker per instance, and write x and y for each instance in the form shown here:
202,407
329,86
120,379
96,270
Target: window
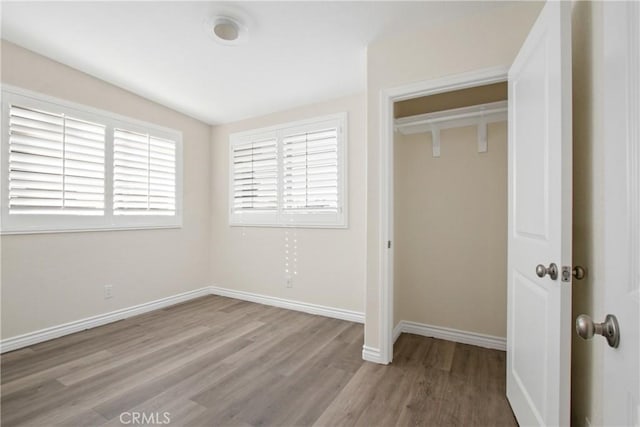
144,174
56,164
289,175
255,178
67,167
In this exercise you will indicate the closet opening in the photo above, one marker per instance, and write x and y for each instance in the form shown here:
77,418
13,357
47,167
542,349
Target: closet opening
448,211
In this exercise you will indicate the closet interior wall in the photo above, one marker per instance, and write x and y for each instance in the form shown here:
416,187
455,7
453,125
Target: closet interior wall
450,230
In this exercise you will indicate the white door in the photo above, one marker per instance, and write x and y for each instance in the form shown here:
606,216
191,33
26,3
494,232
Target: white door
539,323
621,396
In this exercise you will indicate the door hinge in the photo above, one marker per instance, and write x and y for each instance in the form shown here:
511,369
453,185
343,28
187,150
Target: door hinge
388,244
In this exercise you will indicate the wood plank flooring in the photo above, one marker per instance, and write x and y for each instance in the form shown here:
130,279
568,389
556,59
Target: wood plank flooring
217,361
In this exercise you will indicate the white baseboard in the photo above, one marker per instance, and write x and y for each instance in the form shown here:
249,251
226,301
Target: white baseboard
336,313
397,331
371,354
46,334
449,334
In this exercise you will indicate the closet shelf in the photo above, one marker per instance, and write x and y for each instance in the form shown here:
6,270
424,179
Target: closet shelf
476,115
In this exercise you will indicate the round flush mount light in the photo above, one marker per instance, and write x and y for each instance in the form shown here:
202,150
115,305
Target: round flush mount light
226,30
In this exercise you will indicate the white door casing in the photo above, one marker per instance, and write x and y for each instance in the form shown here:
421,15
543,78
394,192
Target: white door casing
539,322
388,97
621,370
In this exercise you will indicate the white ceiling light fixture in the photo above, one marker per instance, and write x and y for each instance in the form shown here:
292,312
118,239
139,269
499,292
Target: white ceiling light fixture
226,30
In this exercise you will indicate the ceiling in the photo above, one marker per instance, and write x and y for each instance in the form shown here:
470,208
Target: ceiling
297,53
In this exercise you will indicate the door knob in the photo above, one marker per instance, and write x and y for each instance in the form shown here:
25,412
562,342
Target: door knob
552,271
579,272
586,328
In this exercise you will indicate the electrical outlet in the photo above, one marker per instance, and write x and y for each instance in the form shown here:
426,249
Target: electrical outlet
108,291
288,282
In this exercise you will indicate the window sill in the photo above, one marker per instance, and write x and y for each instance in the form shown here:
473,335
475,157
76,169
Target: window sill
267,225
87,230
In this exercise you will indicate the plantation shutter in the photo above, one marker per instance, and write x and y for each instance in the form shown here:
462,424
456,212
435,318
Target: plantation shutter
255,176
144,174
310,171
162,176
290,175
56,164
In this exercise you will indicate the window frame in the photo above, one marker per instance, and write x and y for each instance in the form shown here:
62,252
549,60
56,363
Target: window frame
280,217
34,223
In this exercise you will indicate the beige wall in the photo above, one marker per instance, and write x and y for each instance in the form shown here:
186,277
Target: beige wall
588,207
50,279
483,40
450,230
330,262
450,100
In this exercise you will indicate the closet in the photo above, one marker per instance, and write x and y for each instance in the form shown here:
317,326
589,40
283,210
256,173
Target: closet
450,214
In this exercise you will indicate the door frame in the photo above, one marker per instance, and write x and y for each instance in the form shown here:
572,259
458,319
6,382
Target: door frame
388,97
621,136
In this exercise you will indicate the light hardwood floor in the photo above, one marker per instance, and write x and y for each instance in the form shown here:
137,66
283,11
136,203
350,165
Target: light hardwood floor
217,361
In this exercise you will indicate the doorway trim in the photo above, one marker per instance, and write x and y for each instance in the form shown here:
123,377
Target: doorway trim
386,244
621,216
